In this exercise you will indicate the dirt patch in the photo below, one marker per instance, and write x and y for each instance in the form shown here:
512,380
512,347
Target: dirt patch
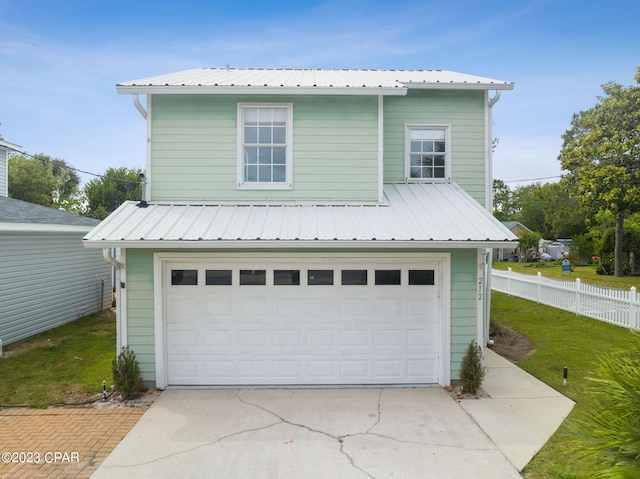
27,345
509,344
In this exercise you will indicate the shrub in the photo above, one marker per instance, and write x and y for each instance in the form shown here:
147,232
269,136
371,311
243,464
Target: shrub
126,373
609,435
472,372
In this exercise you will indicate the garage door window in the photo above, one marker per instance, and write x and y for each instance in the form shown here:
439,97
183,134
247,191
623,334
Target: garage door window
422,277
320,277
286,277
218,277
253,277
354,277
184,277
387,276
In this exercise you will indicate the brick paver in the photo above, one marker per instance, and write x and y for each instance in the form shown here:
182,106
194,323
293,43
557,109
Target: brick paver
61,443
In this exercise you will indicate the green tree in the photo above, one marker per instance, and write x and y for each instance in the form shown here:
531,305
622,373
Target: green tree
44,181
503,206
106,193
528,245
601,152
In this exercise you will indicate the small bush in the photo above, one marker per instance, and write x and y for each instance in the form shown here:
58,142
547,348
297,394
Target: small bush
472,372
126,374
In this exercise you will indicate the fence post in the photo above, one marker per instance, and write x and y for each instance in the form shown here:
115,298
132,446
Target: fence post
538,287
509,270
633,308
578,288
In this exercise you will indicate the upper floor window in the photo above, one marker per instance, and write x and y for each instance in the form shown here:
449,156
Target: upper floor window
427,152
264,146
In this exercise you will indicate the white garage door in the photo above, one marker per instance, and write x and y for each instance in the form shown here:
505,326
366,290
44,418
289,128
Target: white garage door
261,322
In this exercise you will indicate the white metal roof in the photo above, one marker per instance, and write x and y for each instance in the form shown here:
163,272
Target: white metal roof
418,215
307,81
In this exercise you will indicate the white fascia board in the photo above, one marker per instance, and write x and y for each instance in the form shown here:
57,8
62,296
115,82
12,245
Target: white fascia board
459,86
10,146
49,228
258,90
271,244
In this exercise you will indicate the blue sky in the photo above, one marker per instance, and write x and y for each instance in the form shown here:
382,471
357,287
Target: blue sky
60,61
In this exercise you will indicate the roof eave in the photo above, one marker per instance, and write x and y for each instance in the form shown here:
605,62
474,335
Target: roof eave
24,227
263,244
459,86
257,90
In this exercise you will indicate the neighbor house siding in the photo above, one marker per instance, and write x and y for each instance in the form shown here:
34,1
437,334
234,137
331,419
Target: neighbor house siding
48,279
4,167
463,110
194,152
140,309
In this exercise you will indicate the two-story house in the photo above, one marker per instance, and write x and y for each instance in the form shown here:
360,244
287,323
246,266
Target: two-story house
307,226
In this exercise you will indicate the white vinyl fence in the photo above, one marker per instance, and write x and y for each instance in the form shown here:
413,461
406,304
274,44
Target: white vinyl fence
611,305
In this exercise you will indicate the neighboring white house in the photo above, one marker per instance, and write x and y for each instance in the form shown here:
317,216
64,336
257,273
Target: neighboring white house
46,277
5,148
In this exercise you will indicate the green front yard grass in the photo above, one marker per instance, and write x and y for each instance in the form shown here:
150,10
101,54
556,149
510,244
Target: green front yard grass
64,365
587,274
560,339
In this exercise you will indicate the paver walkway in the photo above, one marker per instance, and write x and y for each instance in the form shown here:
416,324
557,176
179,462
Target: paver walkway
60,442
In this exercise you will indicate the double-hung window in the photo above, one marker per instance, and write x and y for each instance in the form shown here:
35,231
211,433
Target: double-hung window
427,152
264,146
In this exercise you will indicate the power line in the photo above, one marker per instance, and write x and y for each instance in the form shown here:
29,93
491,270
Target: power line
533,179
53,162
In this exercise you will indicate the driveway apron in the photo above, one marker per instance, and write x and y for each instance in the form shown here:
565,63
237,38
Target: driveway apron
342,433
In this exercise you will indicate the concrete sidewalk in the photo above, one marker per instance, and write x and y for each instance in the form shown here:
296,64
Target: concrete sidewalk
343,433
522,412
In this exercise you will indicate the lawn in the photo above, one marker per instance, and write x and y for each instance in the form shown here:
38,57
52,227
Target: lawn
560,339
587,274
63,365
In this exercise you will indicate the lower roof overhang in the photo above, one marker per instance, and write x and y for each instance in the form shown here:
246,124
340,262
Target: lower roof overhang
435,215
298,244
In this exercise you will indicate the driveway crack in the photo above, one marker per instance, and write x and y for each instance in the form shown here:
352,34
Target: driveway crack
379,411
339,439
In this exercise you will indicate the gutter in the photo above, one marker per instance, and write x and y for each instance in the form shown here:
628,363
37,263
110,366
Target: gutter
328,244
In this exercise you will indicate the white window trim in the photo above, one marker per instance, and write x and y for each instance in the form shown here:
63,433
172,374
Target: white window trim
407,151
288,183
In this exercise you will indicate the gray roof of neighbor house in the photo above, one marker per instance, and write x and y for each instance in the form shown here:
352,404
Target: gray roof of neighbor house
307,81
420,215
17,212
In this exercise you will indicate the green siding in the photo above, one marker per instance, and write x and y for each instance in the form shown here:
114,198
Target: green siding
140,332
463,110
464,305
140,307
193,148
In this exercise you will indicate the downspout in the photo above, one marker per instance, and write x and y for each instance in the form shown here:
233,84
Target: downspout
120,280
380,148
139,107
107,255
488,252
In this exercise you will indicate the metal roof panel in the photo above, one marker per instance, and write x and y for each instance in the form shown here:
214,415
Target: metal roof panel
426,213
307,80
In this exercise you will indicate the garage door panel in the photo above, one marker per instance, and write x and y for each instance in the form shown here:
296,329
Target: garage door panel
356,338
391,338
287,339
301,334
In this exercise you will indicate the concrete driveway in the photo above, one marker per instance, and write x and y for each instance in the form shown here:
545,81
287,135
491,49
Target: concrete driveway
307,433
342,433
